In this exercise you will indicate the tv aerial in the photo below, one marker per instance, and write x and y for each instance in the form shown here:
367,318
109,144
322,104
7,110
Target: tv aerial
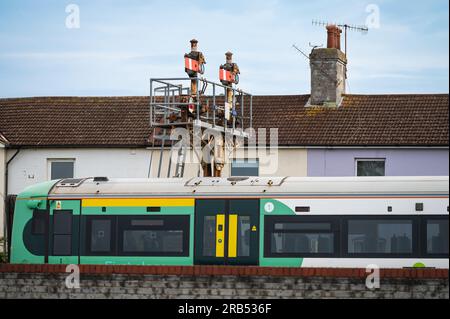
347,27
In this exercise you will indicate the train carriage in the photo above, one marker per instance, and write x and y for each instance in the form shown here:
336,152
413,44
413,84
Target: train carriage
393,222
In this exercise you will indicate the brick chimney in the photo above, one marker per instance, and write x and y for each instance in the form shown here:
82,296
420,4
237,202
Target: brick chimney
328,71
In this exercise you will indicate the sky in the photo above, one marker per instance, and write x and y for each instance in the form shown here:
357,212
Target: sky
118,45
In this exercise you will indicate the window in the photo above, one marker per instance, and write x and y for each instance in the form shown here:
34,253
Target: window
209,236
153,241
154,235
39,222
297,236
356,236
245,167
100,233
301,243
437,236
101,236
62,233
370,167
368,236
60,169
243,238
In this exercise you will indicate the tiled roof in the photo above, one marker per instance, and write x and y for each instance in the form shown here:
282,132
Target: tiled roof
375,120
75,121
372,120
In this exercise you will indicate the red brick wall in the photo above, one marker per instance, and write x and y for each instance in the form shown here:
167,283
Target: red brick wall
228,270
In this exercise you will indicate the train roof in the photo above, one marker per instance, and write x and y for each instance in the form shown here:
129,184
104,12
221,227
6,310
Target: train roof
253,185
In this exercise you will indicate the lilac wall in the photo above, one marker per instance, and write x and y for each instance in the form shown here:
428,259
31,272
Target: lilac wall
399,162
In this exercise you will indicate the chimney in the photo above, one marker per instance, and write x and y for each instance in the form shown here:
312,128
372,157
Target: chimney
328,70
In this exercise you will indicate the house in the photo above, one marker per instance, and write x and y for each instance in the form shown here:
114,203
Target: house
390,135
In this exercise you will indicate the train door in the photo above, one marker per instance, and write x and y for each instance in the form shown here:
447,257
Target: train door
64,226
227,232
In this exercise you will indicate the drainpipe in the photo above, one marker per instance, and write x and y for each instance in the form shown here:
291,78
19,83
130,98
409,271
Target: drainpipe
6,243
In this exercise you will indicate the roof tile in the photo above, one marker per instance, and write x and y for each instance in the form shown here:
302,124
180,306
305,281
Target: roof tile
375,120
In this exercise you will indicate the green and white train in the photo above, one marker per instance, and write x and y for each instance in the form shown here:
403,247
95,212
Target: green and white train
393,222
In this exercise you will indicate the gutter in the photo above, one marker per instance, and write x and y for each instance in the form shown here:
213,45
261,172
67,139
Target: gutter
6,242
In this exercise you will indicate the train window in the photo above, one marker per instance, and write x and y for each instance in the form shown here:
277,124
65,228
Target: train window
380,236
243,236
101,235
437,236
301,243
39,222
153,241
209,236
62,233
294,236
153,235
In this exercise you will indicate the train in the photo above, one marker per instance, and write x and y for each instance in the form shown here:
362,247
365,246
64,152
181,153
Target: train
342,222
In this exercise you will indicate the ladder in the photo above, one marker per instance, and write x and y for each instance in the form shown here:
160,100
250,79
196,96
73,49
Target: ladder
181,154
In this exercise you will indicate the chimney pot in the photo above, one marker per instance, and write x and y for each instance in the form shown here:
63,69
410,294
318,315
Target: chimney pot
330,36
334,37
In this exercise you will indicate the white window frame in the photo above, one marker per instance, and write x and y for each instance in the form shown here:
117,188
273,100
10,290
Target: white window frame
64,160
381,159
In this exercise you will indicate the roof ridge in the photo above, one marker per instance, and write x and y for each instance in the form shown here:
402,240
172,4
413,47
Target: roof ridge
133,97
74,97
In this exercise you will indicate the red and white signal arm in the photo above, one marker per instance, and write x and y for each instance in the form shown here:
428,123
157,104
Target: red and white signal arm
225,75
191,64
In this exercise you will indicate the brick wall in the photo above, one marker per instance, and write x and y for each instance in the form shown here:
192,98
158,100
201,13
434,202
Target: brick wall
39,281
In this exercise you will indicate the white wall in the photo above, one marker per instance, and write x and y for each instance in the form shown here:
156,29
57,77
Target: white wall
2,189
31,165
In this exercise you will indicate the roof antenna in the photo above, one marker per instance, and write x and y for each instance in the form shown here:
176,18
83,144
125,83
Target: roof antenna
358,28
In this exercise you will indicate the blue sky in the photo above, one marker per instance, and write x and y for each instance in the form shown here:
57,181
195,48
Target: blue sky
121,44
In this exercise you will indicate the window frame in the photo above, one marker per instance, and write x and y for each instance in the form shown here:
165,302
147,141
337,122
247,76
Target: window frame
423,239
171,222
381,159
269,230
415,234
50,161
